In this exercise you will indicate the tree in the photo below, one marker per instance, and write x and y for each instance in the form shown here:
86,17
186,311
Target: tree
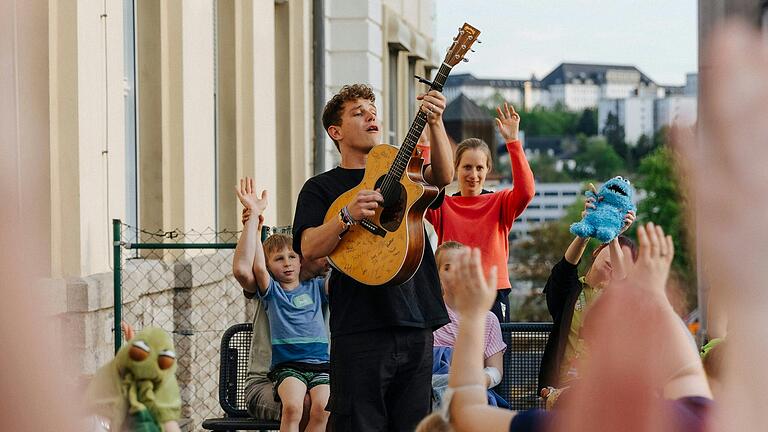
534,257
614,134
598,160
587,123
548,122
663,205
544,168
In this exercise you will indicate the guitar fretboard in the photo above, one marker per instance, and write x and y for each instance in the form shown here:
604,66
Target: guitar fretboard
405,153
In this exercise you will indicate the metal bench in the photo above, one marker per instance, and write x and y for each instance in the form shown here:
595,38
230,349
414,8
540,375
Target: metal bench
525,346
235,346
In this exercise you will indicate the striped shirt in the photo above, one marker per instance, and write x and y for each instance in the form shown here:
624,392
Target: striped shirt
445,336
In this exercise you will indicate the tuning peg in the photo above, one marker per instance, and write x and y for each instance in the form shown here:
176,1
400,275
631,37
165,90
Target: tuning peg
479,41
472,50
465,60
463,47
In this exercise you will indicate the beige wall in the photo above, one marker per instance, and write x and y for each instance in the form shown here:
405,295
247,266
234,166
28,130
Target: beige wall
192,146
87,158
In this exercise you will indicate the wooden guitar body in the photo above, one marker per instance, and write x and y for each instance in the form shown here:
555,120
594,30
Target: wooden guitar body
386,248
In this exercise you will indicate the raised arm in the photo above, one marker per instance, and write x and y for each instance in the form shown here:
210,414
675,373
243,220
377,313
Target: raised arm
249,265
508,123
469,410
579,244
618,263
440,171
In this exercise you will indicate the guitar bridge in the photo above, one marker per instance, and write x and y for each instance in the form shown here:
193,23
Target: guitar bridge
373,228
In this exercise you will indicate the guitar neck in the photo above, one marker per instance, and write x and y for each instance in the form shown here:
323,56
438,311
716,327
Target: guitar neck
417,127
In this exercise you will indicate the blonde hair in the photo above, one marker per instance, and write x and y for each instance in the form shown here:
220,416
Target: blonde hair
473,144
277,242
449,245
434,423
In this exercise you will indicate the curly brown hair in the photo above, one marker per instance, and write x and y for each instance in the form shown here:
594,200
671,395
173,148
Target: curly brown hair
334,108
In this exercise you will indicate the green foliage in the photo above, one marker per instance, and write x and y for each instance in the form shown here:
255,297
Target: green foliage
663,205
534,258
545,170
531,308
546,122
597,159
587,122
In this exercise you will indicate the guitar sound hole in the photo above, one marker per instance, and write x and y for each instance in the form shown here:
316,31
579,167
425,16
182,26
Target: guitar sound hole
392,216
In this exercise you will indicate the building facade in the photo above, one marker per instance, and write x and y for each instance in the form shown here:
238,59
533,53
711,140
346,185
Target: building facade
148,111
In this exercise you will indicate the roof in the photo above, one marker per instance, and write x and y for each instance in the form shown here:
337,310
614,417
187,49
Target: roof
463,109
469,80
567,72
674,90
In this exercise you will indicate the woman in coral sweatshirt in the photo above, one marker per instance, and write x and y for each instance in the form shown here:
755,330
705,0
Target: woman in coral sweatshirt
480,218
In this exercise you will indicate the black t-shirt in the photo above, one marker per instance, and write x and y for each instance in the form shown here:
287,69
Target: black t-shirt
355,307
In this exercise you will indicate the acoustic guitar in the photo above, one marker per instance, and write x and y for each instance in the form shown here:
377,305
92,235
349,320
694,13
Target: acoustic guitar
387,248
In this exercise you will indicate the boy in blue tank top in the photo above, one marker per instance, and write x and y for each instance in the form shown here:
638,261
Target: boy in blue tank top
300,359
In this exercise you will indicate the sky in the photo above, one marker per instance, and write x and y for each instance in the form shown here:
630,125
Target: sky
524,37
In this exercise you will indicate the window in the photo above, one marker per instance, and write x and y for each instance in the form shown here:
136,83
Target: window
551,206
129,103
550,193
533,220
411,88
534,206
569,193
392,97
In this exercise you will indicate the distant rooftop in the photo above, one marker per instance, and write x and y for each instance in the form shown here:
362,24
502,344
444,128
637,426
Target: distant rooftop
463,109
674,90
467,79
597,73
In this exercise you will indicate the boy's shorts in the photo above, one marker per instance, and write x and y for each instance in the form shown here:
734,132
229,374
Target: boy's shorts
310,379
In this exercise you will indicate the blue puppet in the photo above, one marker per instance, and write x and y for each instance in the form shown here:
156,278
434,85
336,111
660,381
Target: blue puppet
612,202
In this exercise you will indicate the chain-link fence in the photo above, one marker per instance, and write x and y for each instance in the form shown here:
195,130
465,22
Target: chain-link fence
182,282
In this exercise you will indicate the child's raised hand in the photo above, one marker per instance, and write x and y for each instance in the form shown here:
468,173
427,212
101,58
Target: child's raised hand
508,122
473,293
247,196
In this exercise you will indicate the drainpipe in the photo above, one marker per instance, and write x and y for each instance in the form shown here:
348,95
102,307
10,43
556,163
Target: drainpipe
318,92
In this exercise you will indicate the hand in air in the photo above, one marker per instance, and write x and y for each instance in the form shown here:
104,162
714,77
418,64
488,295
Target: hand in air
508,122
248,198
655,256
473,293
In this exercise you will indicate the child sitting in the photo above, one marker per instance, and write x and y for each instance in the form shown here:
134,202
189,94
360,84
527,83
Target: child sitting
445,336
294,309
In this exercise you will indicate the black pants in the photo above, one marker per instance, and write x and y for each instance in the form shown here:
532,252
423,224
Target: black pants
502,297
381,380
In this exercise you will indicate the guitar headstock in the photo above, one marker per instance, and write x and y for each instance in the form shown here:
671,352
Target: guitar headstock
461,44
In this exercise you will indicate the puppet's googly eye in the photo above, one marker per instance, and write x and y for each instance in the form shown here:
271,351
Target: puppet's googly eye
139,350
620,177
166,359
